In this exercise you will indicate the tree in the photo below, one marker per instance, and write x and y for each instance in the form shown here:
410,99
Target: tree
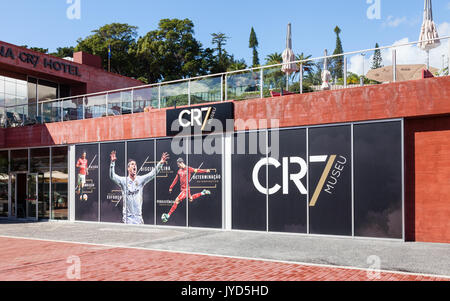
377,59
337,63
274,58
37,49
63,52
171,52
253,43
237,65
308,65
122,38
223,60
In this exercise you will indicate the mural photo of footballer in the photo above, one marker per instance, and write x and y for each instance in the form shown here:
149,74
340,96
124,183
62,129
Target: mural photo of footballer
83,171
184,176
132,187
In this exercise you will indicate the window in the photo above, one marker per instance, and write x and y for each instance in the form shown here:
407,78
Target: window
60,179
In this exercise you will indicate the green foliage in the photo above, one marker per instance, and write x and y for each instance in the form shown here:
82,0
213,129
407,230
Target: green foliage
274,58
37,49
253,43
121,37
170,52
337,63
63,52
377,59
237,65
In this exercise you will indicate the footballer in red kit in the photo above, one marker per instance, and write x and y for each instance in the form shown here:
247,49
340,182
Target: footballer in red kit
184,175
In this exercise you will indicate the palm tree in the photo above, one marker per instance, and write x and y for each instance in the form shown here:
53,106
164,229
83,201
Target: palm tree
274,58
308,65
237,65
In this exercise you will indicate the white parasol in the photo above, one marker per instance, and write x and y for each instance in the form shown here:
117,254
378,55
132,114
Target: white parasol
326,75
428,33
289,56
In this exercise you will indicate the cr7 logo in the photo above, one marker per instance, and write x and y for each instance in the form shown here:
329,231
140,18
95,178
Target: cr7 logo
194,117
329,179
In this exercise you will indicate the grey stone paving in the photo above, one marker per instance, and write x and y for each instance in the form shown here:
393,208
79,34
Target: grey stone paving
394,255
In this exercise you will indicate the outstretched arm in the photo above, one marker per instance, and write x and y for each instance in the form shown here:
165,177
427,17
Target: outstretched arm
151,175
112,174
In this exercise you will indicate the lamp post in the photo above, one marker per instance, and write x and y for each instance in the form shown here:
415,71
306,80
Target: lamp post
362,76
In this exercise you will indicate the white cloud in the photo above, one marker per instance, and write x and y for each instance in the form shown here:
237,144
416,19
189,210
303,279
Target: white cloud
391,21
410,54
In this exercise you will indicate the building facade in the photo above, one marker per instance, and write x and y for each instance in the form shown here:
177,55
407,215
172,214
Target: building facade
360,162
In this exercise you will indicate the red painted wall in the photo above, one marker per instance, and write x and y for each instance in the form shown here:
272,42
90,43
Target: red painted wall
91,80
427,177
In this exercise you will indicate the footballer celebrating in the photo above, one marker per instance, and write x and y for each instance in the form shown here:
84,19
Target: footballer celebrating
132,188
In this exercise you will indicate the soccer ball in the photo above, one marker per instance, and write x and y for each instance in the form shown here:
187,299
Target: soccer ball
85,197
165,218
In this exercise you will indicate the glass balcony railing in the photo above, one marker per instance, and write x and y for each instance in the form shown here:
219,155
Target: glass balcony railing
399,62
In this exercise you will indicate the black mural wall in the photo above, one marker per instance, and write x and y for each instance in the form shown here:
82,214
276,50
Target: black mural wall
86,197
143,152
378,180
111,194
249,205
164,198
287,206
205,154
330,204
268,191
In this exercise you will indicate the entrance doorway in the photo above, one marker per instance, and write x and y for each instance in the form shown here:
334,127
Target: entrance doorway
25,196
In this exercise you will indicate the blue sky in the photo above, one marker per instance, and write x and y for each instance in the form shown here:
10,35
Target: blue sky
45,23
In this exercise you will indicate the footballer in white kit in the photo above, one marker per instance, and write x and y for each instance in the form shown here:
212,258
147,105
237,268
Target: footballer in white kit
132,188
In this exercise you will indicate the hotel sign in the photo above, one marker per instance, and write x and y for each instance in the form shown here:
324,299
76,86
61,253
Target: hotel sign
35,60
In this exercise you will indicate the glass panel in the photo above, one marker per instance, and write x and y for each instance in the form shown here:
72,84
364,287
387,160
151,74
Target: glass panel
174,94
21,191
10,100
22,89
4,194
2,84
3,119
60,177
64,91
32,90
10,86
13,195
73,109
31,196
40,160
274,81
44,195
243,85
145,98
47,90
95,106
19,160
4,162
119,103
127,102
206,90
51,111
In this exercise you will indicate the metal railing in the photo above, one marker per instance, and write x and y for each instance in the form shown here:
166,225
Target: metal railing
351,69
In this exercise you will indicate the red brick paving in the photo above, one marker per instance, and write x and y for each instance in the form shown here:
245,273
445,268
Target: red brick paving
30,260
